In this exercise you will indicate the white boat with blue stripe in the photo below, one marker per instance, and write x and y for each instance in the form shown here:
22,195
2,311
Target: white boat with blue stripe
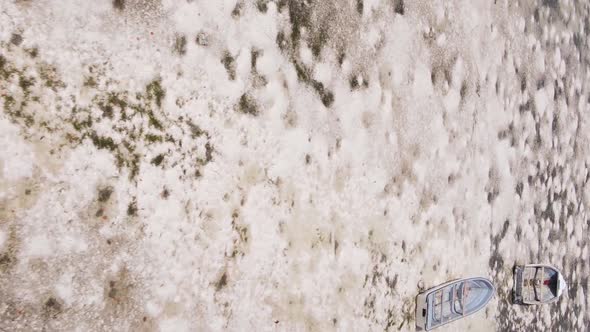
451,301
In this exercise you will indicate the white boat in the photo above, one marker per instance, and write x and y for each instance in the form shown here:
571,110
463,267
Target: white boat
452,301
537,284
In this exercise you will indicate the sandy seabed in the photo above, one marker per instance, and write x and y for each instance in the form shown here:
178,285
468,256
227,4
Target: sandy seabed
289,165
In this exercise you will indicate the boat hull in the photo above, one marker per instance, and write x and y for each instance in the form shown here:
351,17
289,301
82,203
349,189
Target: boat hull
536,284
451,301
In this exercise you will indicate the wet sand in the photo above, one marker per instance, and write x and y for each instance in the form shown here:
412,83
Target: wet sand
288,165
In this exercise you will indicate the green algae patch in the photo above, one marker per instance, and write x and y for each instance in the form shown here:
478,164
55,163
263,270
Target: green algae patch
155,92
103,142
127,124
157,161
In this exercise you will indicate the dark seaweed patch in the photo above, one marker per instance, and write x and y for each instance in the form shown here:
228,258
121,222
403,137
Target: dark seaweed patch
525,107
153,138
90,82
52,303
132,208
262,5
48,74
399,7
25,83
222,282
78,122
52,307
157,160
299,15
441,72
318,40
341,57
463,91
281,5
154,91
496,262
237,11
519,188
16,39
282,41
119,4
104,194
154,122
107,111
4,70
112,290
254,55
134,166
180,45
356,84
353,82
32,52
202,39
326,95
208,152
6,262
230,65
196,131
247,105
103,142
359,6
